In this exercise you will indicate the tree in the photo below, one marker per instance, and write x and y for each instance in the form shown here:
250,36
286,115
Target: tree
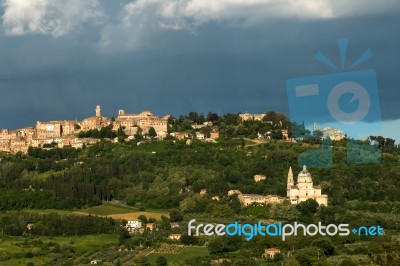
193,117
222,211
318,134
212,117
256,210
198,261
206,131
152,132
123,234
138,135
185,125
194,203
171,120
219,184
121,134
165,223
224,244
217,246
142,218
308,256
201,119
271,116
189,240
307,207
143,261
325,245
231,119
244,262
292,262
161,261
284,211
347,262
175,215
95,201
130,200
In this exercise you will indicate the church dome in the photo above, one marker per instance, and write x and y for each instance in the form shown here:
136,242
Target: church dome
304,176
304,172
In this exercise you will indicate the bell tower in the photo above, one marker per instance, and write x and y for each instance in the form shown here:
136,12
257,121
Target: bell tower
98,110
290,181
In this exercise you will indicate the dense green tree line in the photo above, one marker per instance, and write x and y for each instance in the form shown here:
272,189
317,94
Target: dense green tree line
55,153
104,133
53,224
162,173
18,200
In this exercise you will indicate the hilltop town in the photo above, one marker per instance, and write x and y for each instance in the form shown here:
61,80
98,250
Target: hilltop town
60,133
65,132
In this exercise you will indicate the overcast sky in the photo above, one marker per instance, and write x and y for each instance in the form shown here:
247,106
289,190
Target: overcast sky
61,58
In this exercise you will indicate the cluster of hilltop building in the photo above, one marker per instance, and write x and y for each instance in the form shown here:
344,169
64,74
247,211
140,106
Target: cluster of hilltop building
329,133
296,192
64,133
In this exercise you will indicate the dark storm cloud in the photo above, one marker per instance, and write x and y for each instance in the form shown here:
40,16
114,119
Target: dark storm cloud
216,68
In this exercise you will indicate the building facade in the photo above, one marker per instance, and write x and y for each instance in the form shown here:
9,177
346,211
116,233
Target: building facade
304,189
248,199
145,120
248,116
55,129
329,133
258,178
132,226
95,122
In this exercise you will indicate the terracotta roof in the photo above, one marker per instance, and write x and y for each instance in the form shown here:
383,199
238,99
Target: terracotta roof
252,195
95,118
273,249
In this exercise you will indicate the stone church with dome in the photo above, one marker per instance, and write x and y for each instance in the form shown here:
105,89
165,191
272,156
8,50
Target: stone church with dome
304,189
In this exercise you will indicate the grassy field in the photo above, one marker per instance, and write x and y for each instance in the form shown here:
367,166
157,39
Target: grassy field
119,212
107,209
153,146
22,250
122,212
252,142
186,253
135,215
47,211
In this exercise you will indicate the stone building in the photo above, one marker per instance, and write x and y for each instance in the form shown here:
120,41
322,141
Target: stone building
27,133
233,192
132,226
214,134
174,236
16,140
248,199
329,133
145,120
48,129
248,116
55,129
304,189
258,178
270,253
95,122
